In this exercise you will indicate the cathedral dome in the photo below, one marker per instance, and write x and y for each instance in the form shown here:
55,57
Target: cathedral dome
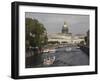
65,28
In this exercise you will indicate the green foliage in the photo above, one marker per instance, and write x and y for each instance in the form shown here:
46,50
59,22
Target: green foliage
53,42
82,43
35,33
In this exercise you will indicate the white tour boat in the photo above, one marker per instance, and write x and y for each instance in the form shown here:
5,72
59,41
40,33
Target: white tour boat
68,49
49,61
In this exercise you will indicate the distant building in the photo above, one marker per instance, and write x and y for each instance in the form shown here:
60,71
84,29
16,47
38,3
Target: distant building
65,29
65,36
61,38
78,39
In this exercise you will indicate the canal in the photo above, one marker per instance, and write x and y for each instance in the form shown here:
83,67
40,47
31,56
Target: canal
63,57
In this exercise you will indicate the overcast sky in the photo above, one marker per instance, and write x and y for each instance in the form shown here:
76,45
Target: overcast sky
78,24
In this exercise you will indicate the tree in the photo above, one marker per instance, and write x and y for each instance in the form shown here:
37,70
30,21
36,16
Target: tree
87,38
82,43
36,35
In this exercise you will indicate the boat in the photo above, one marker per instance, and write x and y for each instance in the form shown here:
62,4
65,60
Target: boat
77,47
60,46
52,50
49,61
68,49
45,50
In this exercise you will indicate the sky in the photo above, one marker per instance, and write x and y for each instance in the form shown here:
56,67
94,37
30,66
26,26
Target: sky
77,24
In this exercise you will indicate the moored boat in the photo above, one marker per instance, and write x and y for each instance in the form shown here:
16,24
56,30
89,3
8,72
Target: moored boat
49,61
52,50
68,49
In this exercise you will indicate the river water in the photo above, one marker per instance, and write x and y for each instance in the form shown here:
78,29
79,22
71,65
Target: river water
75,57
67,58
